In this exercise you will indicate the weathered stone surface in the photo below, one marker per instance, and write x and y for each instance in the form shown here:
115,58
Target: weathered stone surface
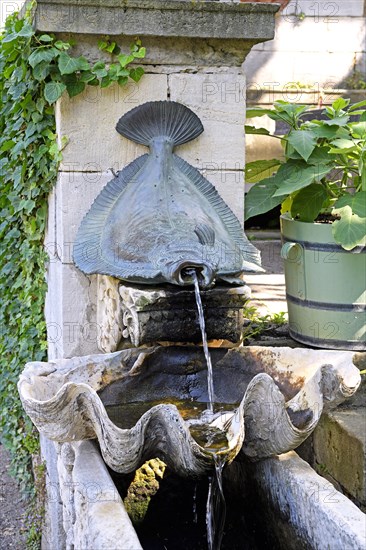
339,443
171,55
88,122
53,533
219,101
70,311
94,515
170,314
279,394
302,509
75,193
109,313
158,18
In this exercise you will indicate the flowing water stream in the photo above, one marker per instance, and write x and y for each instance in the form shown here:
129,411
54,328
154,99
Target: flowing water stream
201,317
216,506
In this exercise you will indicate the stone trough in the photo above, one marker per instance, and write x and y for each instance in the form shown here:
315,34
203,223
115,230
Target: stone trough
272,399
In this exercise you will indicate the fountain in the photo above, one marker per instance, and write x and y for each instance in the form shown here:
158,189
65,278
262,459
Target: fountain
194,410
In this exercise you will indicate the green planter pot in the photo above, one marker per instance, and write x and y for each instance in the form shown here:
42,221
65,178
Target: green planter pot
325,287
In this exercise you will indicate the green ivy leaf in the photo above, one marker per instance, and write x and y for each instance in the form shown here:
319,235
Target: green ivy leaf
99,69
53,91
140,53
45,38
137,73
69,65
125,59
75,88
42,54
41,70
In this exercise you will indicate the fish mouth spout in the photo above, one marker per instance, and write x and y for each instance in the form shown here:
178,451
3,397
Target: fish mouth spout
182,273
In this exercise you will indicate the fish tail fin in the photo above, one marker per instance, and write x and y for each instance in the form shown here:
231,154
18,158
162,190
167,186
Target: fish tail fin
160,118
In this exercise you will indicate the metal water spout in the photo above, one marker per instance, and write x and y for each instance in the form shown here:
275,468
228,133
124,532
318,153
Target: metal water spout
159,217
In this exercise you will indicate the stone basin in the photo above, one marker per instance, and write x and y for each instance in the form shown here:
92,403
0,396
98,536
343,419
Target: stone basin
142,403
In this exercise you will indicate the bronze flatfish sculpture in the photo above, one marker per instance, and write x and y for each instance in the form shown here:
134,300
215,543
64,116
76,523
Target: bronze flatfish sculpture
159,217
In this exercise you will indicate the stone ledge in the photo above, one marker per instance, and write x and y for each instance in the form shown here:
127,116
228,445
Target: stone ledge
165,18
302,508
340,448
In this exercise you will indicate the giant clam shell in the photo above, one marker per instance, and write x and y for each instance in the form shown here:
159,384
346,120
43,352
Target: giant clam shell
273,400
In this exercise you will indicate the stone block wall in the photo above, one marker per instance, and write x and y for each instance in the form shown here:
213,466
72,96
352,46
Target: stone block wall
317,46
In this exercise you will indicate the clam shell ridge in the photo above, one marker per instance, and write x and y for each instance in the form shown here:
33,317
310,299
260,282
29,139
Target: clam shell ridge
61,399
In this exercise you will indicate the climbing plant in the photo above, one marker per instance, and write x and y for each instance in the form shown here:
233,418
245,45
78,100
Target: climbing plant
35,70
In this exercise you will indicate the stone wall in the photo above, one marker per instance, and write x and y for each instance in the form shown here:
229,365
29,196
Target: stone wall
317,46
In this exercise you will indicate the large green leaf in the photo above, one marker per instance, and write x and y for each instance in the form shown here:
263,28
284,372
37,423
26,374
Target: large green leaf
357,105
295,176
350,230
303,141
323,131
359,129
257,170
257,131
320,155
308,202
337,121
252,113
356,202
260,198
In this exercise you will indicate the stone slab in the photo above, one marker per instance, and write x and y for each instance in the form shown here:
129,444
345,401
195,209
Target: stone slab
88,122
171,54
303,509
75,192
152,314
53,534
339,444
219,100
100,519
202,19
70,312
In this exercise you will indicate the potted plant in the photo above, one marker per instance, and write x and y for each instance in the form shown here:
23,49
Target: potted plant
321,186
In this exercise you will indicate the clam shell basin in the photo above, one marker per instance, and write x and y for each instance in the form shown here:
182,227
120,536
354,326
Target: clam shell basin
269,401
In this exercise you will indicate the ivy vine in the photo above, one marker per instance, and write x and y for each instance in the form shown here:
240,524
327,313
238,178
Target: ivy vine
35,70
